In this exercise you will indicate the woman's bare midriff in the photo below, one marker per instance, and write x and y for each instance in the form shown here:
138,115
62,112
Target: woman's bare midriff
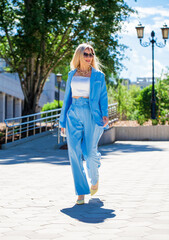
79,97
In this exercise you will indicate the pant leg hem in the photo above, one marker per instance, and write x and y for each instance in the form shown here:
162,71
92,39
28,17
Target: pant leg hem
94,182
82,193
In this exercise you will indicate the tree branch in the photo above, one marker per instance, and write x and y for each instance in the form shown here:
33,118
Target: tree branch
42,83
10,45
51,69
66,43
6,59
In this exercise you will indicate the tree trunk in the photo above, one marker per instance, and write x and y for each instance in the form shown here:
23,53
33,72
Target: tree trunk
30,106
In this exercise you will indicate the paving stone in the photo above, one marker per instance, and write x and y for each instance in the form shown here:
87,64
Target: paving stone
117,224
14,238
106,231
75,235
5,229
48,229
159,231
157,237
101,236
49,236
130,238
134,231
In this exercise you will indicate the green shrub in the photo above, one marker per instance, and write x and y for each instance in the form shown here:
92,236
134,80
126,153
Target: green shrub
155,121
134,101
143,102
51,106
134,115
163,121
141,119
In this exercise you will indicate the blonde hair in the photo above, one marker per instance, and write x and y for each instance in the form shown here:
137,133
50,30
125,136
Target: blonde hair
75,62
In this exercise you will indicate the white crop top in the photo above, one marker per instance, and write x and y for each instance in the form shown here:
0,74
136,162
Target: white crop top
80,86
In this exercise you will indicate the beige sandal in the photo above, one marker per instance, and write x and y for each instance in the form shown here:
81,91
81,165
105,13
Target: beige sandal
80,202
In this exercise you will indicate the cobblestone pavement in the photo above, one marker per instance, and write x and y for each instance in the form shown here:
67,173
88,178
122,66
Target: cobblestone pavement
37,199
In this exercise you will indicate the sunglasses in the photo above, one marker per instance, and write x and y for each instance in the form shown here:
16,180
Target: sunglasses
88,55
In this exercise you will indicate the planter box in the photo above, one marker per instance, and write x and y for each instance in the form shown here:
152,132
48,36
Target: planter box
142,133
108,136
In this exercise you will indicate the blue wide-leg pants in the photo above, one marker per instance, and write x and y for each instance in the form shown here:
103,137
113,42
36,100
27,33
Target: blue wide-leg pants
83,135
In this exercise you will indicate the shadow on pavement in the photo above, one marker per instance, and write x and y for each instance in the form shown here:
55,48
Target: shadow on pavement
8,158
22,154
118,148
90,213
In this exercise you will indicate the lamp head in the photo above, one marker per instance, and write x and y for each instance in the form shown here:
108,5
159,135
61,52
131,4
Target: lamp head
59,77
140,31
165,30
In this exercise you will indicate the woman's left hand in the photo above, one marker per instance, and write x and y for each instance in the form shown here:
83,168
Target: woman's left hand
105,120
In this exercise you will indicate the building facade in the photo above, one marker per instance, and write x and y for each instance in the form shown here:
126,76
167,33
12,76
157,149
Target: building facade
144,82
11,95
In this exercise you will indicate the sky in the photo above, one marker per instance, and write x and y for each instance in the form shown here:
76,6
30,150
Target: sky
152,14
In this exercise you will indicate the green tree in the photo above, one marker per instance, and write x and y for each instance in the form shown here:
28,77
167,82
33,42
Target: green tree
124,97
143,102
135,104
163,96
133,93
38,37
119,94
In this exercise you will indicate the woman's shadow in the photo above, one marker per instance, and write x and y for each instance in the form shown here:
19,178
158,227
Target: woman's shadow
91,212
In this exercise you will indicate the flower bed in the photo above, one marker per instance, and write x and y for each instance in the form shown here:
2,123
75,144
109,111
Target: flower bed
130,123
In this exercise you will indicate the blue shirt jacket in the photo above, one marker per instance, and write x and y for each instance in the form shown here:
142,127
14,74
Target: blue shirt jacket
98,99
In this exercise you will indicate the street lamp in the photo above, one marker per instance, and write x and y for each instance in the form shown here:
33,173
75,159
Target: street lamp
153,40
59,79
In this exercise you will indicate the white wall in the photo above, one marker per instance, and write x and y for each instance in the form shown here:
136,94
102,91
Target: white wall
2,106
10,87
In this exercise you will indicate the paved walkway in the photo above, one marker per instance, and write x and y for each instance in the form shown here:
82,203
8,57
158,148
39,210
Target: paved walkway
37,194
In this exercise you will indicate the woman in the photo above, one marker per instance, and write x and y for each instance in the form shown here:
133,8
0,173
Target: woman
85,116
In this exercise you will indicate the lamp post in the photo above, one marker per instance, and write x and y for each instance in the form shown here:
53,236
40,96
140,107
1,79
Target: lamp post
59,79
153,40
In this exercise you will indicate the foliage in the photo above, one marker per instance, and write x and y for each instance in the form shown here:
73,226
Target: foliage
133,111
141,119
163,120
51,106
135,104
144,102
39,37
155,121
163,96
127,108
121,96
